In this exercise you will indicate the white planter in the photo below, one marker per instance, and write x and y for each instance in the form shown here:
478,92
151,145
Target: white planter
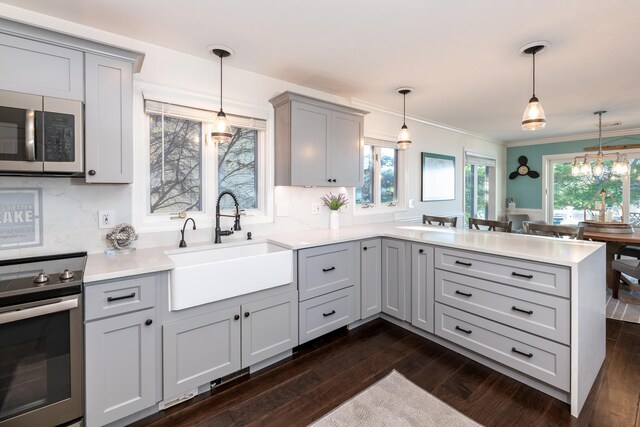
334,220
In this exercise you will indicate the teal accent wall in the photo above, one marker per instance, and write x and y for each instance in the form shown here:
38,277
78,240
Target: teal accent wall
527,192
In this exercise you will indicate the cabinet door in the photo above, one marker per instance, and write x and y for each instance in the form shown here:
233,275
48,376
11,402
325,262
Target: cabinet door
120,366
109,120
345,166
310,133
393,278
269,327
370,277
200,349
422,287
40,68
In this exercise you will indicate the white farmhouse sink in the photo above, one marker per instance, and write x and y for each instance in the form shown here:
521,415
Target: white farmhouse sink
221,272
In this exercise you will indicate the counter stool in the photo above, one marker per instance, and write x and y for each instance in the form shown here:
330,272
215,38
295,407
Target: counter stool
630,267
445,221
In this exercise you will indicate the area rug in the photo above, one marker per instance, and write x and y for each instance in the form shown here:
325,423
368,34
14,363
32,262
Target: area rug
626,307
394,401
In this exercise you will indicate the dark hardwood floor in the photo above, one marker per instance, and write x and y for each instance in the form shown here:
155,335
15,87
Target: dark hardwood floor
326,372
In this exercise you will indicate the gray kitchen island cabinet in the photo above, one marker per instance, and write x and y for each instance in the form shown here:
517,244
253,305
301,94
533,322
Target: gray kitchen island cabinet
317,142
199,349
395,281
120,348
370,277
422,287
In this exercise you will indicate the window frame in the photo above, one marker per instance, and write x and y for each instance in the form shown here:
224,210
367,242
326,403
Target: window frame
377,207
476,158
143,220
548,180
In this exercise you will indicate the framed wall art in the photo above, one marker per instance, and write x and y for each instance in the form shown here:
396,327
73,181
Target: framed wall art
438,177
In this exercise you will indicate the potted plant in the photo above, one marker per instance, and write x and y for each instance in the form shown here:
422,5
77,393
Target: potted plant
334,203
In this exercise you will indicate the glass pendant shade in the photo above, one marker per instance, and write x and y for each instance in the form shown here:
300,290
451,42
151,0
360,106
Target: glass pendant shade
575,168
404,138
585,168
221,128
598,168
533,117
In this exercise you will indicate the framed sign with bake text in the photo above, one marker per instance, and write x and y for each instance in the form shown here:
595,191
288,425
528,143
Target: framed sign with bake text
20,217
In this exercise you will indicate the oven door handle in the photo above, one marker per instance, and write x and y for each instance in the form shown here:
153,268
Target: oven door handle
28,313
30,135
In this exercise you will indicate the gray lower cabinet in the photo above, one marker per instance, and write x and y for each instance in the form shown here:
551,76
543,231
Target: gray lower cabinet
370,277
394,278
205,347
326,313
109,120
269,327
200,349
326,269
422,287
120,366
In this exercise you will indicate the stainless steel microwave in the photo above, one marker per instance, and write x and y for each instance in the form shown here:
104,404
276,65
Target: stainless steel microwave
40,135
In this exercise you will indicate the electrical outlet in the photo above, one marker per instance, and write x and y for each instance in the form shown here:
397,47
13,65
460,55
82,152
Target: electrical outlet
411,204
315,208
344,208
106,218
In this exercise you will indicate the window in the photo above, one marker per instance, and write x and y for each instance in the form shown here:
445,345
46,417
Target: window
381,179
569,196
479,186
185,165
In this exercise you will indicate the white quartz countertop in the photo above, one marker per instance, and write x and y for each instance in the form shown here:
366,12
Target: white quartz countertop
533,248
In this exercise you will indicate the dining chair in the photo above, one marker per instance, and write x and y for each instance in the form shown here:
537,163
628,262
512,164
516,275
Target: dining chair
445,221
490,224
573,232
517,222
630,267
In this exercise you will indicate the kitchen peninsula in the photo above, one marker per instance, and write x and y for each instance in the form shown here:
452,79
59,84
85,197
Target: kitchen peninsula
475,292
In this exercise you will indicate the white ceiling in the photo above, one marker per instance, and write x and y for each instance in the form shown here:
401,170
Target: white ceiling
460,56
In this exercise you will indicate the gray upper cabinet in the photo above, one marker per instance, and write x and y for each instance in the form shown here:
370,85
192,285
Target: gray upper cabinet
316,142
47,63
109,120
370,277
40,68
394,279
422,287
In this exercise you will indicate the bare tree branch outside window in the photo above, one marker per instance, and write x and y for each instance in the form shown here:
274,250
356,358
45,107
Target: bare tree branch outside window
178,185
237,168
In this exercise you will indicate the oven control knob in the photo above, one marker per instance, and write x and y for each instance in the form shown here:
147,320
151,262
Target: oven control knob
41,278
66,275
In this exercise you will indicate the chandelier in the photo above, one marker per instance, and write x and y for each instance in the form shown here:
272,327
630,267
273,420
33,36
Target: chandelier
586,168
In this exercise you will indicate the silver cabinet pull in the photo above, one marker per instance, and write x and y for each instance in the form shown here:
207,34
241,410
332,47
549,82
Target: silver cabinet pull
30,135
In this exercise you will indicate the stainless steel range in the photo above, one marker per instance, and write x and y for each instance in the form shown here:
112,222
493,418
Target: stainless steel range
41,340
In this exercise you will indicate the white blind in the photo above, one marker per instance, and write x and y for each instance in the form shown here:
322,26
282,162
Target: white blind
477,160
200,115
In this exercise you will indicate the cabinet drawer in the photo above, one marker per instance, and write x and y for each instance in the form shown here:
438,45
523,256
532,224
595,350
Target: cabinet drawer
325,269
326,313
533,312
535,276
542,359
120,296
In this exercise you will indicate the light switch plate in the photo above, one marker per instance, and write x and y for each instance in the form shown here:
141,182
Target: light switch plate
411,204
315,208
106,218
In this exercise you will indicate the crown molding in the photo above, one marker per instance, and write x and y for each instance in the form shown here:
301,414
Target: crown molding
369,106
594,135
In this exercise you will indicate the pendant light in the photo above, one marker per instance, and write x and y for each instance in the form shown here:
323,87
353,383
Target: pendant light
533,117
598,169
404,137
221,129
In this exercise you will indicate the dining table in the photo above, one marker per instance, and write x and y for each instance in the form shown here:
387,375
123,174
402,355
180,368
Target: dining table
615,242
